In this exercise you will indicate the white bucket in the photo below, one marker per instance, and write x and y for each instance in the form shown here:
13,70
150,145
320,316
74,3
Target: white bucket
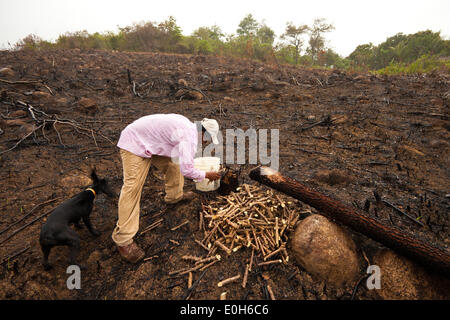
207,164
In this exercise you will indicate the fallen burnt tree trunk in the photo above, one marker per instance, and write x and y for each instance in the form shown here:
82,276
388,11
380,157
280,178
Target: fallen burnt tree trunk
405,243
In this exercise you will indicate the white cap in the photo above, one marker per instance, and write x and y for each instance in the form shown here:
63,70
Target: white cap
212,127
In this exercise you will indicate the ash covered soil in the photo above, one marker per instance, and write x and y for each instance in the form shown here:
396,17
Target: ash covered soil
342,133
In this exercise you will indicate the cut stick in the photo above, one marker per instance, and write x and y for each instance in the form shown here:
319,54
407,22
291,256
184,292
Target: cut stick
244,281
209,265
269,289
223,247
152,226
150,258
251,260
248,190
283,205
270,255
192,258
270,262
226,281
184,271
189,280
201,225
261,247
208,259
277,237
180,225
201,245
211,233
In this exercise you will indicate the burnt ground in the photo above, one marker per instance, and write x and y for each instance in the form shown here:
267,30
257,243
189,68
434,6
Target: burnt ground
389,134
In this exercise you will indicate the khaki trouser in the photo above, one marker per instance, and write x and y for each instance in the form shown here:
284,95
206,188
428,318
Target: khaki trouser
135,170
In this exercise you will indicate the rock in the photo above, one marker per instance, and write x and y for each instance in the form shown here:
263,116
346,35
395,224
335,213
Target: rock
273,95
61,102
18,114
301,97
88,105
19,126
41,95
339,119
324,250
7,72
360,78
402,278
195,95
188,94
15,122
180,93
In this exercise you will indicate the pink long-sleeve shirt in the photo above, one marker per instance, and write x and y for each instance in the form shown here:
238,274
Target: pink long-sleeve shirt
168,135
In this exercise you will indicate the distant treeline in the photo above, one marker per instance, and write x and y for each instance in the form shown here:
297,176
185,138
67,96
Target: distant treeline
299,45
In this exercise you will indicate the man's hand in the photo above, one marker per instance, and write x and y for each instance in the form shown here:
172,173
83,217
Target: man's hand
213,176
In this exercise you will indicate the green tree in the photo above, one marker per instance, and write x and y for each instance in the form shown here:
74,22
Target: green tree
265,34
388,51
362,57
293,34
317,39
170,34
208,33
334,60
206,40
248,26
400,49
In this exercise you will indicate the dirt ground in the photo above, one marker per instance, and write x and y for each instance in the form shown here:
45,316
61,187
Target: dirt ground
389,134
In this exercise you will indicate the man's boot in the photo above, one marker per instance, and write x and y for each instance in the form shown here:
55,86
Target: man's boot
131,253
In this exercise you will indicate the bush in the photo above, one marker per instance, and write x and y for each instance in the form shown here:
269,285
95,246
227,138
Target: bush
32,42
399,50
425,64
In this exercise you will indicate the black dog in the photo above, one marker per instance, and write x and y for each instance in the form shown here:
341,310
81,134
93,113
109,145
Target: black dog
57,232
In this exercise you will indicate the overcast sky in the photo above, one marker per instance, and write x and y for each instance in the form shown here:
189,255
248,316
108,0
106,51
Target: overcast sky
356,22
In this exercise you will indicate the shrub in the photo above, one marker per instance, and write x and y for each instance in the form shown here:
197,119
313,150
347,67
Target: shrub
425,64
